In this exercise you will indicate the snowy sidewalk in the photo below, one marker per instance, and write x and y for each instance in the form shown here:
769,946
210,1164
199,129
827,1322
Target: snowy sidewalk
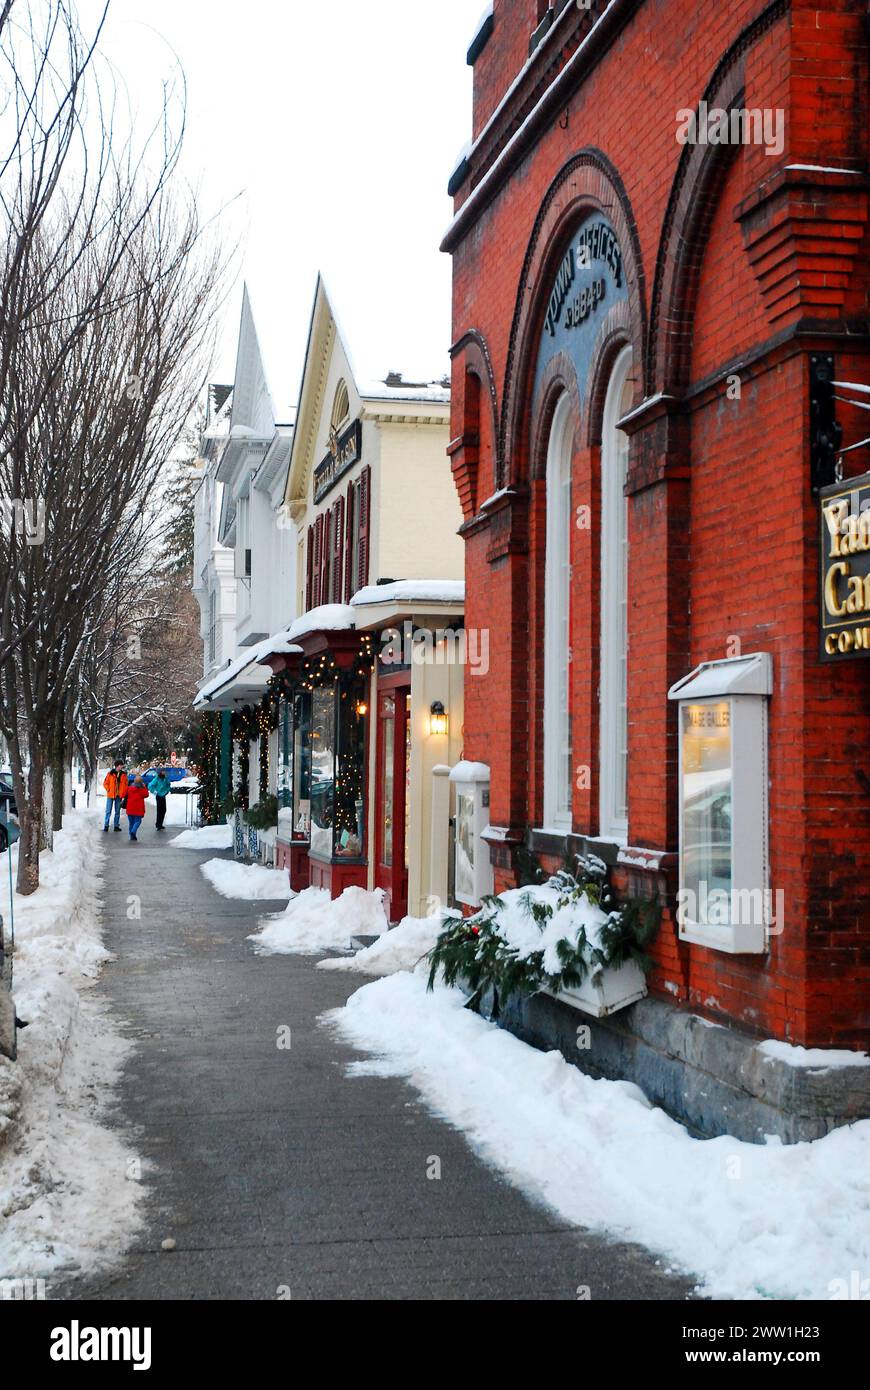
275,1172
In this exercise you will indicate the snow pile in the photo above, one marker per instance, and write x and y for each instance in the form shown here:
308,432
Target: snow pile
313,922
251,881
207,837
66,1198
403,948
751,1221
820,1058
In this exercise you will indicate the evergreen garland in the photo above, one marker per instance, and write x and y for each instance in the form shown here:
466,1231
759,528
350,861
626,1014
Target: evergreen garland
474,949
209,760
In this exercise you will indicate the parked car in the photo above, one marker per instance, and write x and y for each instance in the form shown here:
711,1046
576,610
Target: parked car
173,774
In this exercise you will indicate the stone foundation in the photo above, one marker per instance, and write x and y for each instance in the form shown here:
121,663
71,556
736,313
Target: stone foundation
713,1079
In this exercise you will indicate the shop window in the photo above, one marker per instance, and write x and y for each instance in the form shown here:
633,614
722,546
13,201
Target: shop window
337,770
613,807
557,623
284,782
323,749
301,771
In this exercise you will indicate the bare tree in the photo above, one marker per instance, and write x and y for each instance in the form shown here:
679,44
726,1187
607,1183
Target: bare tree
91,454
138,677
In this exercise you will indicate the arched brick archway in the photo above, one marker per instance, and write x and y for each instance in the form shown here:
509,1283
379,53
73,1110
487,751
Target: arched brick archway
471,358
694,196
588,183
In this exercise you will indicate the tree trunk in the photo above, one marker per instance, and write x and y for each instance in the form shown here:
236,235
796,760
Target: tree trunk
30,816
58,771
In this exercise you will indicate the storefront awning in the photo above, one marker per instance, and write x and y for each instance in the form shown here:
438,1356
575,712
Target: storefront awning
244,680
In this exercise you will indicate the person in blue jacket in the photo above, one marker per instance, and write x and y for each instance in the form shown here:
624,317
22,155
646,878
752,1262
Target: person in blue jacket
161,787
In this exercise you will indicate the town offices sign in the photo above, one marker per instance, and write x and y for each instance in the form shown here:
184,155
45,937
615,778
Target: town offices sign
845,570
589,281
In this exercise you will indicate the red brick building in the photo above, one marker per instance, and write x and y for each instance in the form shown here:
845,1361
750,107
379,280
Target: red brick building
660,242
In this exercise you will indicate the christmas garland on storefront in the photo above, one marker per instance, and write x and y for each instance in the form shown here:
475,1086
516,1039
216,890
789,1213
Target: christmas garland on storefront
210,769
479,951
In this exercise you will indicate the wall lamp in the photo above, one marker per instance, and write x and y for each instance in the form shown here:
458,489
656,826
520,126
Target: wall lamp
438,719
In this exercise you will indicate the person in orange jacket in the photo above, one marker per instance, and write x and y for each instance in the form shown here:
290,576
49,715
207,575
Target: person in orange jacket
137,794
116,789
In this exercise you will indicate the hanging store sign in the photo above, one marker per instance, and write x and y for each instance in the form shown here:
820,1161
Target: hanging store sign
845,570
344,451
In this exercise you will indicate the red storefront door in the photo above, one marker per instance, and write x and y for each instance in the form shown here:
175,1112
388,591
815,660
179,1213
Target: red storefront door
394,768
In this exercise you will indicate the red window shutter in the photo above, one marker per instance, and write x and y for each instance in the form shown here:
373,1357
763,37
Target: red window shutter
364,501
318,562
309,569
325,518
349,557
337,551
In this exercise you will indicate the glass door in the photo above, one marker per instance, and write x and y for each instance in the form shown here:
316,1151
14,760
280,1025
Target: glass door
393,801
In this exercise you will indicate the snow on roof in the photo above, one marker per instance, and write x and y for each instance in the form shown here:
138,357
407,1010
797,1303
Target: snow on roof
329,617
224,677
253,656
484,20
821,169
412,591
380,391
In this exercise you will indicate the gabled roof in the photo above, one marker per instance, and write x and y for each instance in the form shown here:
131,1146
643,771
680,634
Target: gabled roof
252,400
324,338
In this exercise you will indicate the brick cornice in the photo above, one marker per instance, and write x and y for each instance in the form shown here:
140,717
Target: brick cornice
574,46
803,229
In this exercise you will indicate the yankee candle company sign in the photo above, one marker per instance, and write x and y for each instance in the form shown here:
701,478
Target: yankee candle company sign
845,570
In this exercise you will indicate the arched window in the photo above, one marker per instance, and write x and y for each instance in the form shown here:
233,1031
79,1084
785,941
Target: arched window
340,406
558,780
613,781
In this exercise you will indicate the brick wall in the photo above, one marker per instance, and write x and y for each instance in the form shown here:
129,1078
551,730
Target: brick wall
741,266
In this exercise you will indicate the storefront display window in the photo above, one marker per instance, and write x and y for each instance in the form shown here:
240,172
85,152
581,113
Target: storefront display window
337,785
284,782
301,765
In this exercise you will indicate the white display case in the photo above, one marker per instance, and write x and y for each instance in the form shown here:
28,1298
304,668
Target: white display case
724,898
473,878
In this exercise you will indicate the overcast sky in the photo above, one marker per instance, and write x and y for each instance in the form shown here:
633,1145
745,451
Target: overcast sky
339,123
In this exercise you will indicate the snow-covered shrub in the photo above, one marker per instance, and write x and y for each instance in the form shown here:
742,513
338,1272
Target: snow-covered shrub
549,935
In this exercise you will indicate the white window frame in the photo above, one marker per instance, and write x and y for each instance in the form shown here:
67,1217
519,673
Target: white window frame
613,686
558,787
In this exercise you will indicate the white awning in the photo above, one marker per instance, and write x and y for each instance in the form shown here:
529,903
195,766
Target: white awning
739,675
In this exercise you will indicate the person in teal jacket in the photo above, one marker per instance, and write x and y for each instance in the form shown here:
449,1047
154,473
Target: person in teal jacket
161,787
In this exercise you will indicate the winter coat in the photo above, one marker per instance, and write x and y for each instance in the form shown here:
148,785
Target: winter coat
111,785
136,797
161,786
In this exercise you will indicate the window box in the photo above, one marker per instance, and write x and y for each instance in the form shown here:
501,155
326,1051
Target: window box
606,991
